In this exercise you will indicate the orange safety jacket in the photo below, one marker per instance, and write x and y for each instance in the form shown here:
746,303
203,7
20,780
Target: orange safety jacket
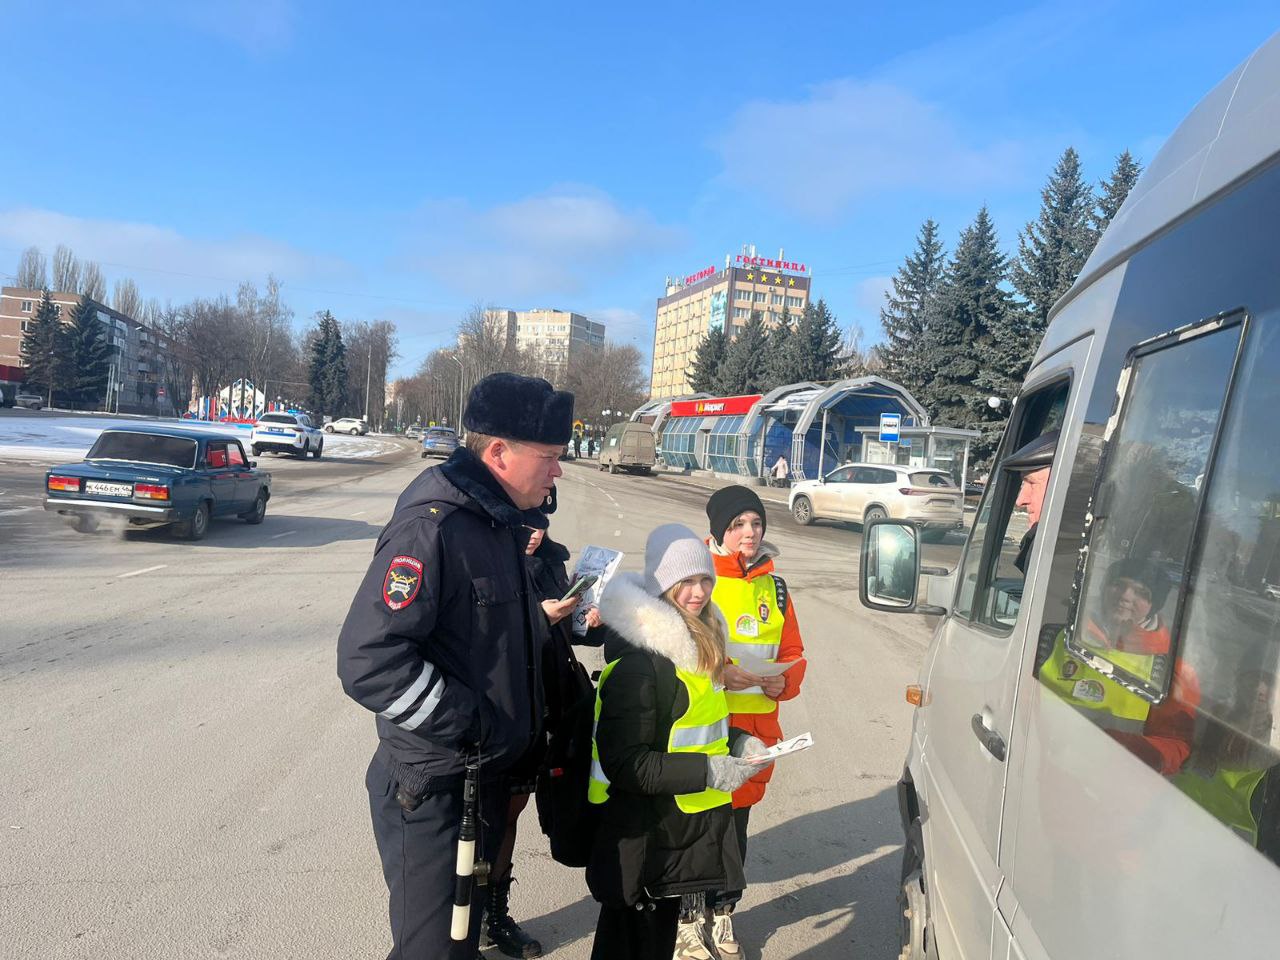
790,647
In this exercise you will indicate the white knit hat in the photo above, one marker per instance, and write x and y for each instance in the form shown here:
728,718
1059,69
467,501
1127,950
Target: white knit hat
672,553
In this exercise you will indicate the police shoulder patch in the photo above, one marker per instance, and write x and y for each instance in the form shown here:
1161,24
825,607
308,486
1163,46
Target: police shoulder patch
402,582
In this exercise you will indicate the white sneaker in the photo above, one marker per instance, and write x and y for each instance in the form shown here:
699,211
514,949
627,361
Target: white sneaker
722,935
691,941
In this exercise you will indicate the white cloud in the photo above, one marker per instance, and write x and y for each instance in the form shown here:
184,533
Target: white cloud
164,262
849,138
544,245
869,295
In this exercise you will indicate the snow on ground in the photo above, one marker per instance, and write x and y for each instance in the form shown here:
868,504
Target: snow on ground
52,437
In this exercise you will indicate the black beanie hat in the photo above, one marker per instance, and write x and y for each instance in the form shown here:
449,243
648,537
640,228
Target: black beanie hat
513,407
729,502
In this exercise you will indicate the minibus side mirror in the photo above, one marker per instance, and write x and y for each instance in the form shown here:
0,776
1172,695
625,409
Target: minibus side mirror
890,568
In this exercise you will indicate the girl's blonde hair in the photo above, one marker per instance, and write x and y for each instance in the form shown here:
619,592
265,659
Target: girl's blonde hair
707,631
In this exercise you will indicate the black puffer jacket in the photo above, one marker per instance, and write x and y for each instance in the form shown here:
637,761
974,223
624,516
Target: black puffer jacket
646,847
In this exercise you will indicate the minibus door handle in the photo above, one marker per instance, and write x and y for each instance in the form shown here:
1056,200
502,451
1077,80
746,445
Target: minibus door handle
989,738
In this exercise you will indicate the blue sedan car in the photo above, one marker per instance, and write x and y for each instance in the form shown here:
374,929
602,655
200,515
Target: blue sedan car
439,442
160,476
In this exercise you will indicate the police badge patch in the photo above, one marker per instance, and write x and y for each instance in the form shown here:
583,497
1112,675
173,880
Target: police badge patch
403,580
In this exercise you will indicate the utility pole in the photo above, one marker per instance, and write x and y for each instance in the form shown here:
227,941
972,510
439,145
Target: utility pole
368,375
457,427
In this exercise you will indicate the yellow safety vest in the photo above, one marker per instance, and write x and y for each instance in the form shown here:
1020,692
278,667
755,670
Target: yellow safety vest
703,728
1226,795
1109,704
754,614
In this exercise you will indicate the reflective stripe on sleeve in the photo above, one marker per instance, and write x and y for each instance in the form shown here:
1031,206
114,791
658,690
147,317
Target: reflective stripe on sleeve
684,737
406,699
428,705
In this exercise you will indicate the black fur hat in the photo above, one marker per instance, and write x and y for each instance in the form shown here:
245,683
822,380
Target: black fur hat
519,408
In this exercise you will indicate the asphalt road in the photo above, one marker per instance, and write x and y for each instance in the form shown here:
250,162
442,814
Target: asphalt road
184,776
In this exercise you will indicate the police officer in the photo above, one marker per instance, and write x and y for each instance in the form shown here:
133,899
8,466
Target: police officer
443,643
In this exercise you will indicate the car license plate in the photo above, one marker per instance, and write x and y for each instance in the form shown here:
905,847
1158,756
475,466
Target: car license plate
99,488
279,431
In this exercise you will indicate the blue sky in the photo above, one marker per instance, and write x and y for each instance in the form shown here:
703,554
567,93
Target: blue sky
404,161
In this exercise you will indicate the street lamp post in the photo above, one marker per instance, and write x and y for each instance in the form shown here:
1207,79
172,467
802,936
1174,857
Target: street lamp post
458,426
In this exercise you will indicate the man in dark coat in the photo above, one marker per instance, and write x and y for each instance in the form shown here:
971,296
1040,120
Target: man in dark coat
444,643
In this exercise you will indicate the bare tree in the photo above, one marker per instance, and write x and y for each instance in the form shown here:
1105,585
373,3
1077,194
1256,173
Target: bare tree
66,270
859,359
92,283
33,272
126,298
208,345
371,346
611,377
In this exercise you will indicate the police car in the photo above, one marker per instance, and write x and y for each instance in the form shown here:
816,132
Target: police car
280,432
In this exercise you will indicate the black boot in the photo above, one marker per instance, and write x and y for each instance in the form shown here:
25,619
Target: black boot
500,929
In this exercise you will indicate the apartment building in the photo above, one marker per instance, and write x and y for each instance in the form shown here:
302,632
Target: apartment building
146,375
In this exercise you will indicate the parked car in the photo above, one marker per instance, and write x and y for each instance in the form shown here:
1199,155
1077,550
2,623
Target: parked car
628,446
439,442
1092,766
414,433
863,492
158,476
280,432
32,401
352,425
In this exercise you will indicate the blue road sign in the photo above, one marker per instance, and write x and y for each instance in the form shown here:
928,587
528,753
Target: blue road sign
890,427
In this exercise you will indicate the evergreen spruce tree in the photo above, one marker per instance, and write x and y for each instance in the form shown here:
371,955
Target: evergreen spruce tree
705,373
327,371
908,305
1113,191
746,362
780,367
45,350
90,353
958,340
814,347
1051,251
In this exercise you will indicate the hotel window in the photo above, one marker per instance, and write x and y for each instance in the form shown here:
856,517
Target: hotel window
759,297
742,295
740,313
794,302
26,306
776,299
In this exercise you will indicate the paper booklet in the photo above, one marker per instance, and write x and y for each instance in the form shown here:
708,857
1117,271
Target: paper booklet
786,747
763,668
602,563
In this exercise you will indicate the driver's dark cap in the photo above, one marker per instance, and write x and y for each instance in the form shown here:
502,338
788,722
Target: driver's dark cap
1034,455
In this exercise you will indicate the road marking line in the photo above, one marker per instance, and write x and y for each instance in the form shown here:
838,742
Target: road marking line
277,536
358,513
617,533
138,573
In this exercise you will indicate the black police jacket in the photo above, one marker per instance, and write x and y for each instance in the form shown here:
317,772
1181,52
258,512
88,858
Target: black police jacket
444,639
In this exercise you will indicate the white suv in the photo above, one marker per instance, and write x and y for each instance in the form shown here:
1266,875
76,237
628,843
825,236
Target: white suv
352,425
281,432
873,491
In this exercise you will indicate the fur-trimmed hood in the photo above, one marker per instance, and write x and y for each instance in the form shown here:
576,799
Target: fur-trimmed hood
648,622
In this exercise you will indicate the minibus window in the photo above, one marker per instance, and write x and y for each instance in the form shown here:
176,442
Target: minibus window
1169,404
993,569
1229,637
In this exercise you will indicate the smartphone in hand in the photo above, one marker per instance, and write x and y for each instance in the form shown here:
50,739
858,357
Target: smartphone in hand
581,586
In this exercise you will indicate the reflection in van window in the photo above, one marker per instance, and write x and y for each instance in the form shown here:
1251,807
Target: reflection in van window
1230,630
1144,510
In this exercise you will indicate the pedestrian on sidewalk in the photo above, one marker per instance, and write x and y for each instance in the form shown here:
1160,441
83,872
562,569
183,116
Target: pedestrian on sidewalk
762,624
781,470
443,644
665,763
